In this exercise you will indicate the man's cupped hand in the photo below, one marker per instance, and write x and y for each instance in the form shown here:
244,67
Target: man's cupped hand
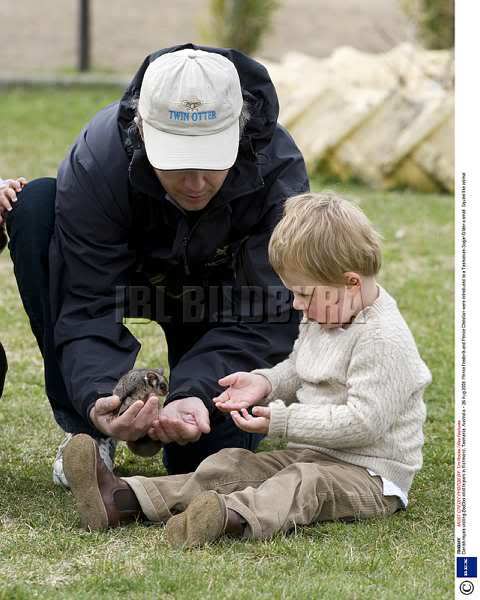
131,425
181,421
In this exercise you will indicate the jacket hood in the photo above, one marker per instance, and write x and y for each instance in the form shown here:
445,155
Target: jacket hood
257,87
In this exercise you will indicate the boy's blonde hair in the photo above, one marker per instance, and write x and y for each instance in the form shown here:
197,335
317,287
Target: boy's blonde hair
324,236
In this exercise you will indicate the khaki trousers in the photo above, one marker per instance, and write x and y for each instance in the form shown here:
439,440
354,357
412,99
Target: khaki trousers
273,491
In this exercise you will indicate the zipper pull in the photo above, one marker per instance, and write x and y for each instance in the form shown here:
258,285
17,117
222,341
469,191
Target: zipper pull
185,260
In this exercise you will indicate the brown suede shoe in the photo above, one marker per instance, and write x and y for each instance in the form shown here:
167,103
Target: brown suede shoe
103,500
204,521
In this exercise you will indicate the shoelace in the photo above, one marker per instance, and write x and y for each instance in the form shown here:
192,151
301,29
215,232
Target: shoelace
66,439
106,448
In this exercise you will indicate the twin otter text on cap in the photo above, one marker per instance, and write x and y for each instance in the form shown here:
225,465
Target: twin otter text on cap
206,115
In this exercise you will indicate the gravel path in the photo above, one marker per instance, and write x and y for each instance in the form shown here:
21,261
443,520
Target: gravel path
40,37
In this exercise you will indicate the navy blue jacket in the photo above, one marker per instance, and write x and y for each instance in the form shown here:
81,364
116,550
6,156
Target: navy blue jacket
114,227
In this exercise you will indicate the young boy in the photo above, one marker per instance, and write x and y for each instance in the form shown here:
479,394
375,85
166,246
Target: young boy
348,400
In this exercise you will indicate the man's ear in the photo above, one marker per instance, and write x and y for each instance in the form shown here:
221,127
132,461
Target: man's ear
138,123
352,279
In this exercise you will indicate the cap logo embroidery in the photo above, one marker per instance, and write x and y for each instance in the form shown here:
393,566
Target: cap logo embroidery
192,104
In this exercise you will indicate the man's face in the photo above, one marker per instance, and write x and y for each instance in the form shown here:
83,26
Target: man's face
190,188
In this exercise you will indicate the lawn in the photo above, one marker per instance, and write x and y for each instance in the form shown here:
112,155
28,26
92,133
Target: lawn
43,553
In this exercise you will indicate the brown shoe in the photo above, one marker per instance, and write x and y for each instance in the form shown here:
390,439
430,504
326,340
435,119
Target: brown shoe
205,520
103,500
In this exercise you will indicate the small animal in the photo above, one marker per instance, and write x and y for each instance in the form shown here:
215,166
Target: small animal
136,385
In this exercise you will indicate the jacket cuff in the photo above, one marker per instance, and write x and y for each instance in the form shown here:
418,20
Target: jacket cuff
90,401
278,419
89,420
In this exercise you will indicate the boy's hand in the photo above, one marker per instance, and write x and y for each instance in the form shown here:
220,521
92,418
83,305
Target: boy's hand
259,423
243,390
8,194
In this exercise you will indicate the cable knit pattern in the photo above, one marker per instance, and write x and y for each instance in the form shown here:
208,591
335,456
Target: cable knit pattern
356,394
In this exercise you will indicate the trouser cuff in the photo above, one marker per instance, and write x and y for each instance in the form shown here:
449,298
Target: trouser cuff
151,501
253,529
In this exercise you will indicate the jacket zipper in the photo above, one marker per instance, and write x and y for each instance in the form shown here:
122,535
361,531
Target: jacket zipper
186,268
187,237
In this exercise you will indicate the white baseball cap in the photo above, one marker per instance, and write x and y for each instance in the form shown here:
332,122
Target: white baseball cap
190,104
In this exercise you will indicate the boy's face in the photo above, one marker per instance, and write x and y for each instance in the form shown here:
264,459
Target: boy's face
331,305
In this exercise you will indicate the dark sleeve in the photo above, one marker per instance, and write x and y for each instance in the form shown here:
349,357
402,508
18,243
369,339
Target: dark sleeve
90,259
3,368
250,343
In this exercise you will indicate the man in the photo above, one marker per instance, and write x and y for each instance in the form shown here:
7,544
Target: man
163,210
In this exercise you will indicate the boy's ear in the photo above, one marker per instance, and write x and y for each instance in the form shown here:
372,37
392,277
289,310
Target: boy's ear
352,279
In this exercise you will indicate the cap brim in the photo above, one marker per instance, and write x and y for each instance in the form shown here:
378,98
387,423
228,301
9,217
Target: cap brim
168,151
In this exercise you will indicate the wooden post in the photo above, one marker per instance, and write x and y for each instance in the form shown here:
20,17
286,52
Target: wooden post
84,36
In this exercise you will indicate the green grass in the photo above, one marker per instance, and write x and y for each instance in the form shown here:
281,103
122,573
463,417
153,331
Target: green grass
43,553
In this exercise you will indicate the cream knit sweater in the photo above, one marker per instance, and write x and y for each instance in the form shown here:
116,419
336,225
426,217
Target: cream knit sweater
355,393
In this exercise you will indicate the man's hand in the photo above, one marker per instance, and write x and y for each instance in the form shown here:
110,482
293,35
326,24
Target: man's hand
133,424
259,423
8,194
243,390
181,421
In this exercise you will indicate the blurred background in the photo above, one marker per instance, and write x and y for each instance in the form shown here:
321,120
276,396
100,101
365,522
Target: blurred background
43,36
365,88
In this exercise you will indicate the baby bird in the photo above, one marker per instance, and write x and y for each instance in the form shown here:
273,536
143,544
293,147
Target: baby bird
136,385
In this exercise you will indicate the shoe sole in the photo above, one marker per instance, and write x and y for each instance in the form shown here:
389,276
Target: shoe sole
80,468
